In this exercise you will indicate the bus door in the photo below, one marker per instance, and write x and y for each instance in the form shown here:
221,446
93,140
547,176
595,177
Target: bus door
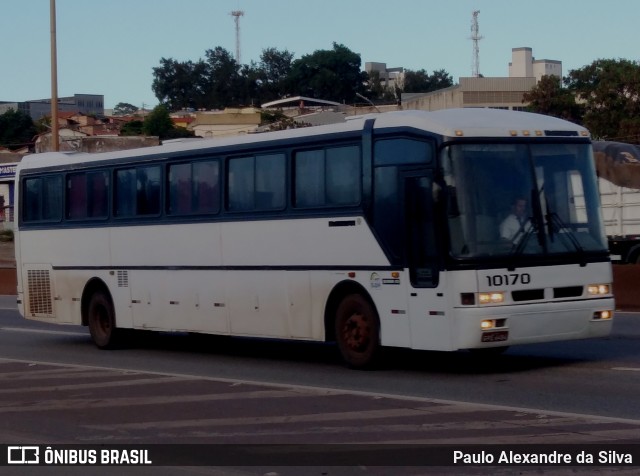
429,324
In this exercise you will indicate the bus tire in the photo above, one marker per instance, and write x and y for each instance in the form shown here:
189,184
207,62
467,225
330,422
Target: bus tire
357,331
101,319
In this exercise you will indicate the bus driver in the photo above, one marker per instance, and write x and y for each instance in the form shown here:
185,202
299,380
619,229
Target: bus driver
517,223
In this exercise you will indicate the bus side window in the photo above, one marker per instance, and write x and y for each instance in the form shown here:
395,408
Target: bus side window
206,189
327,177
179,189
137,191
125,197
43,199
87,195
98,200
257,183
148,186
76,206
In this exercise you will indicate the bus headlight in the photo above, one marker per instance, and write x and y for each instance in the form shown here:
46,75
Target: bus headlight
492,324
598,289
491,298
602,315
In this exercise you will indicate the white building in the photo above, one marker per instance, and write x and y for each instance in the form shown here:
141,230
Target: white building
496,92
524,65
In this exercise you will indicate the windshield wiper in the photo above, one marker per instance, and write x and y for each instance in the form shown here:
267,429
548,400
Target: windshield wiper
557,225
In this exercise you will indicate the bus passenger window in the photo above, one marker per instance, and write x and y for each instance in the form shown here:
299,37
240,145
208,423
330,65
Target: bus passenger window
257,183
125,193
193,188
137,192
98,200
241,182
148,188
328,177
343,176
310,181
270,182
76,205
87,195
179,189
206,192
43,199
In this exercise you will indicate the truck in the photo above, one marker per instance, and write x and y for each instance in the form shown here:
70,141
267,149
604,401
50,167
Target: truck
618,168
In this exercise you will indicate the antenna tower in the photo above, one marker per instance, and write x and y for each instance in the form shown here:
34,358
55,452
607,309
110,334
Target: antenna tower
475,37
236,14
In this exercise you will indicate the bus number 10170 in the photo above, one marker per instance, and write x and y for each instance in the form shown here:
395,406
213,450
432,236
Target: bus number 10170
510,279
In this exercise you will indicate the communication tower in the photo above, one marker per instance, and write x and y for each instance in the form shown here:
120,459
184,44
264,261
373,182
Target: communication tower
475,37
236,14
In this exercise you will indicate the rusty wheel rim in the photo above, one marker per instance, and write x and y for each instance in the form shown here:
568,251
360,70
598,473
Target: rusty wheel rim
356,332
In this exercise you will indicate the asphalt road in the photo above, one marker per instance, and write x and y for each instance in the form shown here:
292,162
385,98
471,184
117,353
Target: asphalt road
593,377
56,387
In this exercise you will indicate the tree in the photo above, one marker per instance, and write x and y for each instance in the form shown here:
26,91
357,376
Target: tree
16,129
177,84
421,82
610,90
158,123
124,109
550,98
328,74
274,69
132,128
220,79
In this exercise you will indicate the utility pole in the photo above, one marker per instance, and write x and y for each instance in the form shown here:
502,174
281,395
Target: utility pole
55,134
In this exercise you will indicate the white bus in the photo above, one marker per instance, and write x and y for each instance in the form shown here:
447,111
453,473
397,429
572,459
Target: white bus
380,231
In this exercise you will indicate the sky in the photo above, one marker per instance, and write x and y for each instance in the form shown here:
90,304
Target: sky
110,47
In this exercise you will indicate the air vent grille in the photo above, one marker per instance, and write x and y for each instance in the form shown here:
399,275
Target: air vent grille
39,284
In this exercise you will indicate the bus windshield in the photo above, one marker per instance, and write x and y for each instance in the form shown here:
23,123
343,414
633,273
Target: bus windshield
522,199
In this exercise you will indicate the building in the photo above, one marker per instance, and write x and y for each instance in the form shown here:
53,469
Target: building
8,163
231,121
89,104
524,65
389,77
496,92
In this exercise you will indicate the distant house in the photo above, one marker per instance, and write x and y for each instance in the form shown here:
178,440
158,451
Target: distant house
231,121
183,121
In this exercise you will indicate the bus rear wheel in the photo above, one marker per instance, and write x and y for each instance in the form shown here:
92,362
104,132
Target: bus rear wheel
357,331
102,321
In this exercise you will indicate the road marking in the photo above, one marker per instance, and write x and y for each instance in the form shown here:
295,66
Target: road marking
466,405
627,369
77,404
42,331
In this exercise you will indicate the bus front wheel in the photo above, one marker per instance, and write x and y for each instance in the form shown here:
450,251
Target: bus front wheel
357,331
102,321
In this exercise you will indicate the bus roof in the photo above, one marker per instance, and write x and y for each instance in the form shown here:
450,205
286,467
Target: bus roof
449,123
480,122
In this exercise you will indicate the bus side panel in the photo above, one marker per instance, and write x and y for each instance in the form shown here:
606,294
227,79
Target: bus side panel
317,242
57,270
431,320
257,303
300,305
389,296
